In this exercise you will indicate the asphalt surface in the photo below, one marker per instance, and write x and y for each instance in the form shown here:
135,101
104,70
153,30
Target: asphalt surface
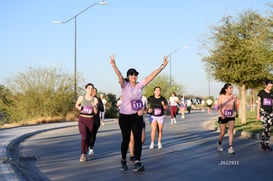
189,153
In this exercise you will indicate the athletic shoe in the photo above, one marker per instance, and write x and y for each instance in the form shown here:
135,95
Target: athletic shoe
220,147
171,121
159,145
83,158
263,147
231,150
124,166
139,167
174,120
91,152
182,117
132,158
152,146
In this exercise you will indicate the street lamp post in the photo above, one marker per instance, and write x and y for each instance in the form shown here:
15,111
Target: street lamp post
75,39
170,58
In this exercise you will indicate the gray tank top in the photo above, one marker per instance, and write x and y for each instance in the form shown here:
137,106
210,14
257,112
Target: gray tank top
86,106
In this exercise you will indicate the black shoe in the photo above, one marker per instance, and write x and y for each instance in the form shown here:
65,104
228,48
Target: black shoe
132,158
124,166
263,147
139,167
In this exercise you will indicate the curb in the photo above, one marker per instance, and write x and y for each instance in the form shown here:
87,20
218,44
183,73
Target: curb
210,125
9,161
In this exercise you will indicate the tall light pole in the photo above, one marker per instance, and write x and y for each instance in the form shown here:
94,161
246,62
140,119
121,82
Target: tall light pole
75,39
170,58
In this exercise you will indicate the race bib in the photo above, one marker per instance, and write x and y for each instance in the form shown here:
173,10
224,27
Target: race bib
267,102
136,105
228,113
157,111
87,109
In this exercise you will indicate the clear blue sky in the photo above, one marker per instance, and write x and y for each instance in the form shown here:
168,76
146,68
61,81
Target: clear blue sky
138,32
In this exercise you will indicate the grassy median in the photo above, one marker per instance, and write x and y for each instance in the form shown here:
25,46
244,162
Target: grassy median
252,124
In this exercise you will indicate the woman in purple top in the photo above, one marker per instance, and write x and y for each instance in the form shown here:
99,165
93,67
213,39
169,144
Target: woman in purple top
130,117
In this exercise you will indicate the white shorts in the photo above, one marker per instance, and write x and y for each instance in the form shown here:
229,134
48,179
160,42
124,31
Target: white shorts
159,119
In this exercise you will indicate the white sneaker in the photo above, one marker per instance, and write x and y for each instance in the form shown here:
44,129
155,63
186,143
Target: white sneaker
91,152
220,147
183,117
152,146
159,145
171,121
83,158
231,150
174,120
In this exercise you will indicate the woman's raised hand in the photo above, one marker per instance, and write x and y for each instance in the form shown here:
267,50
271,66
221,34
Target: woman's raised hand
165,61
112,59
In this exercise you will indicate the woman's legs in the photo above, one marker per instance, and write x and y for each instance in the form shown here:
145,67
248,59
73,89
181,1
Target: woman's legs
125,126
153,131
137,125
230,132
267,123
182,111
131,146
222,133
172,111
160,128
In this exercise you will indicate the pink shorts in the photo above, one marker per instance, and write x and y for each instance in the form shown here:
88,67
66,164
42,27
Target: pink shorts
159,119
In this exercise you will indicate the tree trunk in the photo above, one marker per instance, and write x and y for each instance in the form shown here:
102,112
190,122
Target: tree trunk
243,104
239,102
253,100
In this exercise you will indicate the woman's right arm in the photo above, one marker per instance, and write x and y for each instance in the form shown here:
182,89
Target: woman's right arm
220,107
113,63
78,103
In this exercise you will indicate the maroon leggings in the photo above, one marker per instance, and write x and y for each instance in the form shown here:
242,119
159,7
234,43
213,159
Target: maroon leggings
173,111
85,127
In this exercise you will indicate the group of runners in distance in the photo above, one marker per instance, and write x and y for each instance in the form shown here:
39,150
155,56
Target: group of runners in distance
133,105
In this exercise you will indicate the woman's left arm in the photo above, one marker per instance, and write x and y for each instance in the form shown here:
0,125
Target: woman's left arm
95,105
156,71
235,106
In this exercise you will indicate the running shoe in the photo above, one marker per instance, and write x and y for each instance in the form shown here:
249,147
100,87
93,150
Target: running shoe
132,158
159,145
263,147
83,158
138,167
231,150
91,152
220,147
174,121
124,166
152,145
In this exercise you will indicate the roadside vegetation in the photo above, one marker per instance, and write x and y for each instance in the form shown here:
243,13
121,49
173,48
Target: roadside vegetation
252,125
237,50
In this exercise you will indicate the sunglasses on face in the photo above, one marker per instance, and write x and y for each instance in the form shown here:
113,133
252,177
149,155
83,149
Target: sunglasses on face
133,73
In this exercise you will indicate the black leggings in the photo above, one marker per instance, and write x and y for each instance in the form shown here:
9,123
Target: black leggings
127,123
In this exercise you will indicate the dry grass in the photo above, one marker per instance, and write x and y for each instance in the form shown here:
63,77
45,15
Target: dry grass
42,120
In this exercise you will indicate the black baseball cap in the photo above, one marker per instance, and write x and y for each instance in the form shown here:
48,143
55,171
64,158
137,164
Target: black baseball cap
132,71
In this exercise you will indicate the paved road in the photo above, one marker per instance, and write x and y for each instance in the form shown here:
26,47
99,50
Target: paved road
189,153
